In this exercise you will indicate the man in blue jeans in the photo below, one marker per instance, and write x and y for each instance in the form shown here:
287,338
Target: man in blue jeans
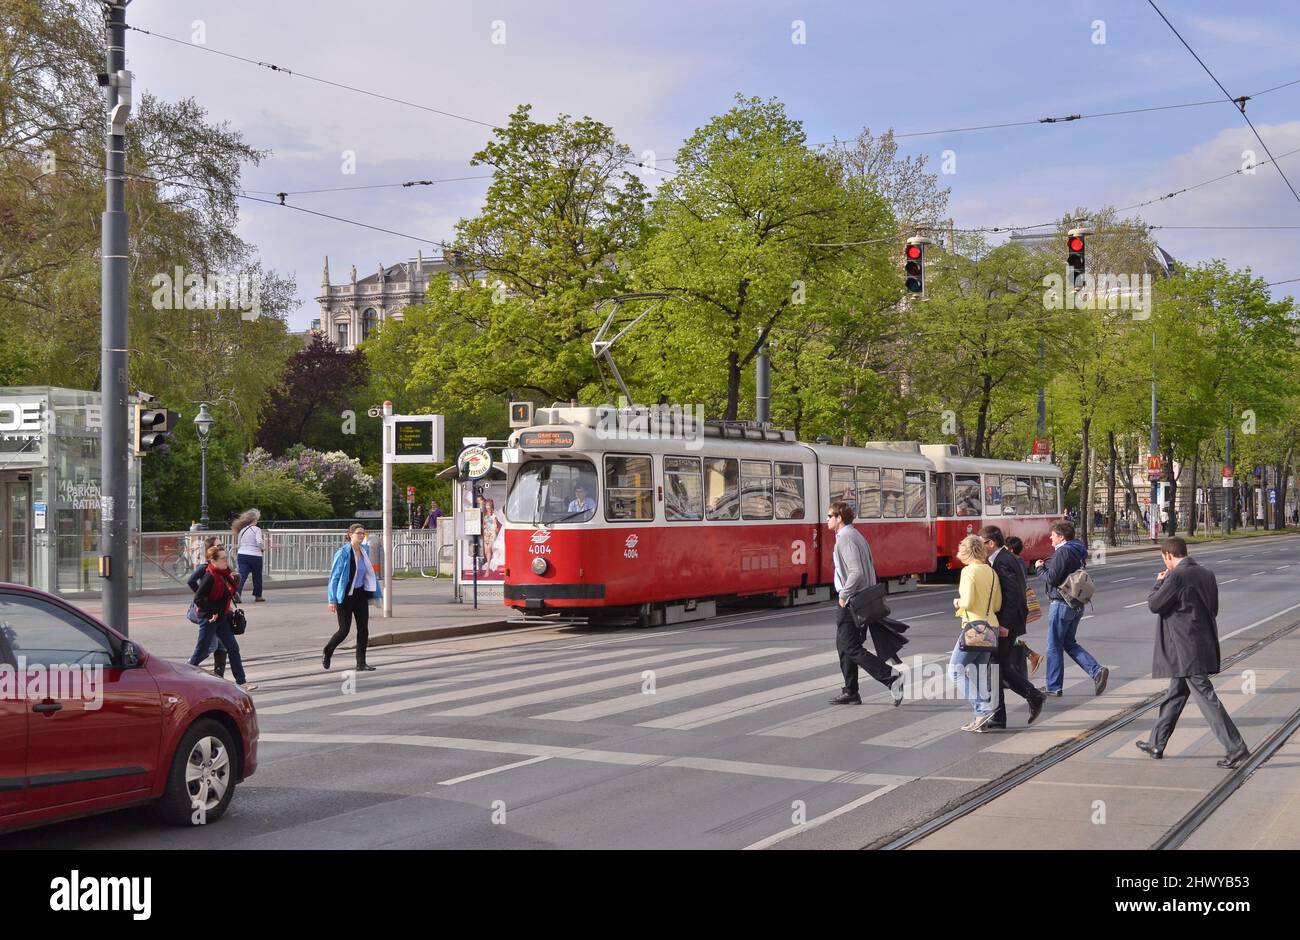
1063,618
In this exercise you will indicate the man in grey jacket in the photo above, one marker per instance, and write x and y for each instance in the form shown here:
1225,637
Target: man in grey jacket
1186,598
854,572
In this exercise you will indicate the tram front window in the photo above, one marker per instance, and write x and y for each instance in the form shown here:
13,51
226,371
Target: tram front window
549,491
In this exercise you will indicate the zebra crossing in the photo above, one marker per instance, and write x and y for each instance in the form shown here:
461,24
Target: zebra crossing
774,691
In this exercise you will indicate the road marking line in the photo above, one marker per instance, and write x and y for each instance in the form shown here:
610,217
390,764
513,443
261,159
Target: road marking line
1118,580
1258,622
814,823
1229,581
1280,567
1257,573
620,758
494,770
1130,606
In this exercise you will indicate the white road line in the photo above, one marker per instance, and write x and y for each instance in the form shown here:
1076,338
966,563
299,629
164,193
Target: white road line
1280,567
392,691
1257,573
670,693
1087,617
933,613
745,705
628,674
1229,581
814,823
620,758
1118,580
494,770
817,722
1258,622
1130,606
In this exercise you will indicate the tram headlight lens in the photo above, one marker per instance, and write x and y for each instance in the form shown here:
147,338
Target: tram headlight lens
540,565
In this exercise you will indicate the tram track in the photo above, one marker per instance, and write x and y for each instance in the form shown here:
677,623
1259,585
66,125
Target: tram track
1177,835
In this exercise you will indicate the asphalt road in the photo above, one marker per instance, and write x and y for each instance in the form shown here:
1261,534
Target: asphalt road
553,739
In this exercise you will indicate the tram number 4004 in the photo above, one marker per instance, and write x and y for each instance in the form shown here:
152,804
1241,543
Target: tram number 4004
539,549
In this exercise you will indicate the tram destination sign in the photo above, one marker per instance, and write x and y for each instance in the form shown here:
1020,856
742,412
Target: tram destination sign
546,439
414,439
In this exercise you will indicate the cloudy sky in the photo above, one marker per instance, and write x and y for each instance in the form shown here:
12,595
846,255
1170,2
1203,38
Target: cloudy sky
657,70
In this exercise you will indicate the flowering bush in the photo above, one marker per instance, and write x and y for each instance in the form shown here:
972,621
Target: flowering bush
338,477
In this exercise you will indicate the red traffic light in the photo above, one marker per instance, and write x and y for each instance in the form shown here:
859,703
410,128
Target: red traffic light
1076,243
913,251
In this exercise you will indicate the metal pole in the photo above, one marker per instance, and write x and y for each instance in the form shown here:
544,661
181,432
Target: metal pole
1155,440
478,539
1042,394
763,386
203,485
388,511
1231,494
114,460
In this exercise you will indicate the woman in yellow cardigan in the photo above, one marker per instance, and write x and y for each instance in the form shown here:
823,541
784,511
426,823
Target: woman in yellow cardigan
979,595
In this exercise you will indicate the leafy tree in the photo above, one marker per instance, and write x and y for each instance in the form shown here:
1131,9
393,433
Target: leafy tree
319,384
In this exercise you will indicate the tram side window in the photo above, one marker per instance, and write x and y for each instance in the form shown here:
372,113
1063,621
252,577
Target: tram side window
966,494
789,491
1036,495
1024,506
943,494
755,489
683,489
1009,505
722,487
1050,505
891,493
868,493
629,489
843,488
915,487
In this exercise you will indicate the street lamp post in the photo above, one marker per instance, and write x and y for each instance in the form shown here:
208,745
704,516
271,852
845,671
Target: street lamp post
203,424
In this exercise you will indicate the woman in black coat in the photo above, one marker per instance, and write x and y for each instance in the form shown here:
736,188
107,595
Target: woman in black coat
213,598
216,649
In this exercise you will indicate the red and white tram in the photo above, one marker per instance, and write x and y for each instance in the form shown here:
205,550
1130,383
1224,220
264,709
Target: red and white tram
611,513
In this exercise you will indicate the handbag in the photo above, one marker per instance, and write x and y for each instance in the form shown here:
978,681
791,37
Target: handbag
193,615
868,605
1035,610
980,636
238,622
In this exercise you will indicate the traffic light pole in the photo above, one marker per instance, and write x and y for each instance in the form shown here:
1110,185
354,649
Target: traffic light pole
114,459
1155,440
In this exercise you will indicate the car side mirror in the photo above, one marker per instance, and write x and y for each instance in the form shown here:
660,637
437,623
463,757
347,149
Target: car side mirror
131,657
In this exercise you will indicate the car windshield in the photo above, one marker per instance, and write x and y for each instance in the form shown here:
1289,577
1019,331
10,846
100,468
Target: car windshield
546,492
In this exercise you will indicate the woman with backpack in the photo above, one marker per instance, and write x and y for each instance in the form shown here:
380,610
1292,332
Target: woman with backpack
214,597
979,595
216,649
249,541
352,584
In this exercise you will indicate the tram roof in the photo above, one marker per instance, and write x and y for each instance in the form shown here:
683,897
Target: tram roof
945,460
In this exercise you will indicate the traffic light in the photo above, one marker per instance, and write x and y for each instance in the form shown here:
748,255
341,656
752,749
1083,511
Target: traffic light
914,264
1075,246
154,428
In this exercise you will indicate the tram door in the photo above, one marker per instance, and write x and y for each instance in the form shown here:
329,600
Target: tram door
16,528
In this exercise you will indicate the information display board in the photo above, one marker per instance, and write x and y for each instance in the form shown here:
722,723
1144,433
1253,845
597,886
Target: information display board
413,439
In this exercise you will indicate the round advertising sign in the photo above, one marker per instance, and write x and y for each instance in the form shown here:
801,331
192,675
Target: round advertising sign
475,462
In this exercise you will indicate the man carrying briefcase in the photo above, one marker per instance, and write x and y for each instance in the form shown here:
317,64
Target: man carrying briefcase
861,603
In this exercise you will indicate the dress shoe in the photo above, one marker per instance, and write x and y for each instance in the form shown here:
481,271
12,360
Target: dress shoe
1099,683
1148,748
364,668
259,599
996,726
896,691
1233,762
847,699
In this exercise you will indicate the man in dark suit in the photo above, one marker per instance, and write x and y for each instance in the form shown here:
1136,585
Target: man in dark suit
1186,598
1011,616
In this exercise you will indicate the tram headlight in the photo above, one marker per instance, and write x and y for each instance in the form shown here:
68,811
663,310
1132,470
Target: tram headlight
539,565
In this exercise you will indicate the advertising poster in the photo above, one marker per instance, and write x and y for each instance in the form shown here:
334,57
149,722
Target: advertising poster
491,515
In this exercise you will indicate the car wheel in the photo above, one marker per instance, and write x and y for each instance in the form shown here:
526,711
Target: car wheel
202,778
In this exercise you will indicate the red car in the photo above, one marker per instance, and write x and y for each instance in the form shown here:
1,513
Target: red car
92,722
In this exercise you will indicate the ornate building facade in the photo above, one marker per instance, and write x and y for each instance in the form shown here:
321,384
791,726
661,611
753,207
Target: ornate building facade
350,312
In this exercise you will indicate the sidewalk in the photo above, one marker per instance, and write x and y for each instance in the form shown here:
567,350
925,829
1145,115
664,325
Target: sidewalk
297,619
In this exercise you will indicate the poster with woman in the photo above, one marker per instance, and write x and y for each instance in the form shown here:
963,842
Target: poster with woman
491,519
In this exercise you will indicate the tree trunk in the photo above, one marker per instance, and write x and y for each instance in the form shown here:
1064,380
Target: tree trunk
1126,478
733,386
1085,484
1172,527
1196,478
1110,490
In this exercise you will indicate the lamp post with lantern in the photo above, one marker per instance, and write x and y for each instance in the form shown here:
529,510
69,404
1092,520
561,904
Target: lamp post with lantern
203,422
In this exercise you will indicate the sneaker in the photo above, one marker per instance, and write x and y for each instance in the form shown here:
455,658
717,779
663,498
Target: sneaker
1056,694
846,698
1099,683
979,724
1035,663
247,686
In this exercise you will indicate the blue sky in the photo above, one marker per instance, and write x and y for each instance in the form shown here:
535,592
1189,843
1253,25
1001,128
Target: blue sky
655,71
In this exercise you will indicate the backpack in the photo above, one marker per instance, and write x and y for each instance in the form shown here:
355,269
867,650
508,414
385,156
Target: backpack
1077,588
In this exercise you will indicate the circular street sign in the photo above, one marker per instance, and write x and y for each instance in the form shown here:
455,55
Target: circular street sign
475,462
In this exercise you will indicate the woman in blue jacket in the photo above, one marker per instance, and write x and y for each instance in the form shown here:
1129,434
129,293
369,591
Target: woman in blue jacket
352,584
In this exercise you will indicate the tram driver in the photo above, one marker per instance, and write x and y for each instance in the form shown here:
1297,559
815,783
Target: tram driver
581,502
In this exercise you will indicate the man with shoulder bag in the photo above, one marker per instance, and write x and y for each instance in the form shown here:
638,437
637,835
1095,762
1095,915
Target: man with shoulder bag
1012,618
861,604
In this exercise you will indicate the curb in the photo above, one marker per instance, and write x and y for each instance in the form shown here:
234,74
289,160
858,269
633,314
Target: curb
439,633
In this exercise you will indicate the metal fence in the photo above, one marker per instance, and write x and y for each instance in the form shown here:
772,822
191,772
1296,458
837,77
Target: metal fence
166,559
